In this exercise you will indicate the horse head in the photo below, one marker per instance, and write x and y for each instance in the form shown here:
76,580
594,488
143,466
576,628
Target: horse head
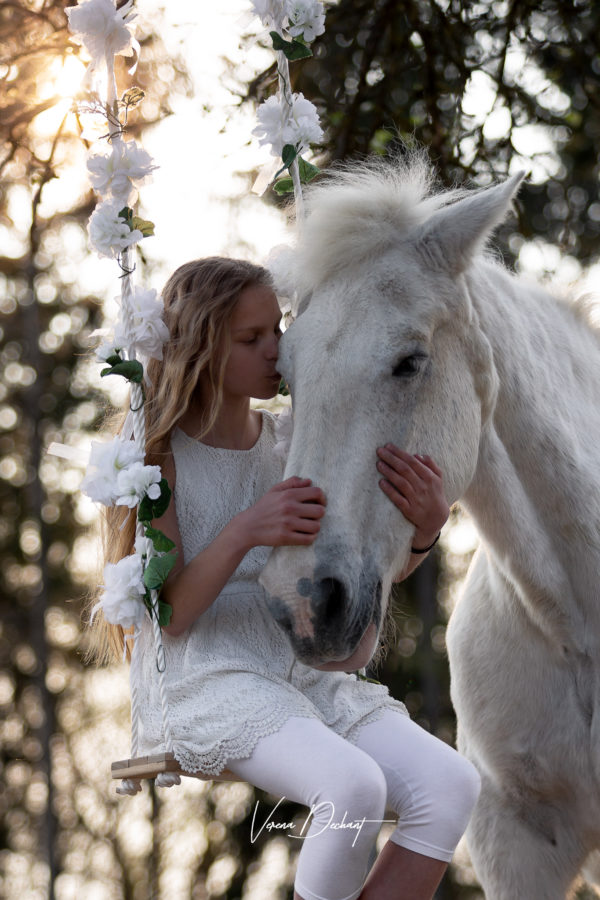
385,348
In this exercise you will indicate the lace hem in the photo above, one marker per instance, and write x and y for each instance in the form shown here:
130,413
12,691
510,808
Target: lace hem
353,732
238,747
241,745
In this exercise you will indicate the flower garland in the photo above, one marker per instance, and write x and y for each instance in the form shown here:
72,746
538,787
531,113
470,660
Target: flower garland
288,122
116,474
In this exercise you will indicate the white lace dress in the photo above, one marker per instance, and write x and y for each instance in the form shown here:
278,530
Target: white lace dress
232,676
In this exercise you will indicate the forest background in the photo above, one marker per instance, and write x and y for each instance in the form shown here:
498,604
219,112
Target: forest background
487,87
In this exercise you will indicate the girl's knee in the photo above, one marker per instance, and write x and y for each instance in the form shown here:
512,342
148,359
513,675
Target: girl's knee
360,792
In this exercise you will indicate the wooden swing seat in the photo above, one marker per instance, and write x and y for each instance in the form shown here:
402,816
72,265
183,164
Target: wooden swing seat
151,766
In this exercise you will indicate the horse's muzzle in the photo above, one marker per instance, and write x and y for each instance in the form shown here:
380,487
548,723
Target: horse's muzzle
326,620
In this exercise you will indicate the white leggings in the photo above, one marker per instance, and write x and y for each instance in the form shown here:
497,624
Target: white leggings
395,765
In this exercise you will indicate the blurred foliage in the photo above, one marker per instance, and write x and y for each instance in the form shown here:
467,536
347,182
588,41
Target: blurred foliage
480,85
54,815
383,69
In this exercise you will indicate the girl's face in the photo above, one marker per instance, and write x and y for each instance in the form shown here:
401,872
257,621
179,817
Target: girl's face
251,367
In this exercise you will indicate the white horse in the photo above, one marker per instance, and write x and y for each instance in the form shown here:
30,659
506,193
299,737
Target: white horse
408,332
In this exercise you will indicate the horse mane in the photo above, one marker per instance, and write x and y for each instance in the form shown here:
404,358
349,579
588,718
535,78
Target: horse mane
359,209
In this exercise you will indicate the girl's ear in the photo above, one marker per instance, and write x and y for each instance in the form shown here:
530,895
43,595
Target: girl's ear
456,233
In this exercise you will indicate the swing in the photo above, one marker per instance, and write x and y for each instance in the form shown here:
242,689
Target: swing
162,767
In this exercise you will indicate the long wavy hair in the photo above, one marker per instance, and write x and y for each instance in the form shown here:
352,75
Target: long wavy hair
199,299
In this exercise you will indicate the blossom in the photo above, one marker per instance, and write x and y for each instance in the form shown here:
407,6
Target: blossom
270,12
104,30
109,232
135,481
119,173
306,18
110,348
107,460
146,332
122,600
279,125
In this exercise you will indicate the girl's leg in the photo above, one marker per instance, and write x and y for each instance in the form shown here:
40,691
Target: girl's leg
345,791
433,790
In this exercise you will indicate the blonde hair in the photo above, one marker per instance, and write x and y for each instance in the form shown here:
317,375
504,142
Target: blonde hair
199,299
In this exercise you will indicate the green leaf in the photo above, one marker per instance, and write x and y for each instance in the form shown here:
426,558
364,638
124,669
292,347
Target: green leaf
143,225
165,611
293,49
132,97
114,359
307,171
283,186
288,155
130,369
154,509
127,214
157,571
162,544
283,389
362,677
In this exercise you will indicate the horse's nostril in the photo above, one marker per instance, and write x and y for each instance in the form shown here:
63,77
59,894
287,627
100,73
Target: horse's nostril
333,597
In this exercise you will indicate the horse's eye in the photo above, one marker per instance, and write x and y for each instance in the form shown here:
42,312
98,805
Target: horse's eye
408,366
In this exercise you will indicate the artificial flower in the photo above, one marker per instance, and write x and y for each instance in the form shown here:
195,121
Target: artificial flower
279,125
110,348
122,600
306,18
120,172
145,327
270,12
107,460
109,232
135,481
104,30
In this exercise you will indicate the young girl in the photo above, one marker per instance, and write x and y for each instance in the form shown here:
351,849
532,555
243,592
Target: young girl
238,698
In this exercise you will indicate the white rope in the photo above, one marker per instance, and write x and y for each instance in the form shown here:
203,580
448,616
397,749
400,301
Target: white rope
285,96
139,437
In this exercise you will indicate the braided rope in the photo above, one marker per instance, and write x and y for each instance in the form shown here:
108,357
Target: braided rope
285,93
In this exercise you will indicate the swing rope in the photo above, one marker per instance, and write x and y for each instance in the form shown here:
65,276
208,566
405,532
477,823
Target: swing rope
104,27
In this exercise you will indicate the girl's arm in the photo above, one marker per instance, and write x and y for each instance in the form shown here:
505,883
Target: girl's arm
288,514
415,485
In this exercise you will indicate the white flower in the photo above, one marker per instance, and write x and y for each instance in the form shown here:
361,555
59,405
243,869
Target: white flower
109,348
124,588
306,17
134,482
145,329
109,233
279,125
284,427
120,172
270,12
102,29
107,460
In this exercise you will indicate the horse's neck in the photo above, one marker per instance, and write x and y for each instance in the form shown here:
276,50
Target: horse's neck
535,495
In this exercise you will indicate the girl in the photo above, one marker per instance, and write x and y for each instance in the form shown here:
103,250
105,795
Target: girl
238,697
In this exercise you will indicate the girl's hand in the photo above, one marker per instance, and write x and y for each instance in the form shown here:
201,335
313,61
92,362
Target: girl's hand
415,485
288,515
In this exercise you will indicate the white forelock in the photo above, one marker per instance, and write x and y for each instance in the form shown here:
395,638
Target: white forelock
360,209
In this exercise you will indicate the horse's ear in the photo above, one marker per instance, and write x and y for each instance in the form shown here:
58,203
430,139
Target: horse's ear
452,236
